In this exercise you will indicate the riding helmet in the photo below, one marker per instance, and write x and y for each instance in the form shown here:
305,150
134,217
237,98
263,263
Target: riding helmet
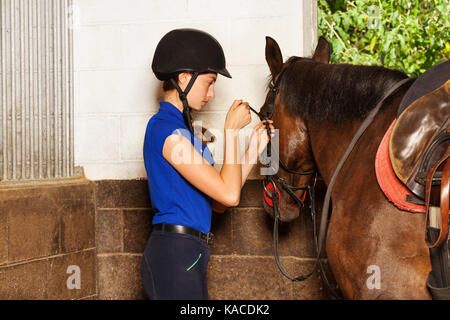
188,50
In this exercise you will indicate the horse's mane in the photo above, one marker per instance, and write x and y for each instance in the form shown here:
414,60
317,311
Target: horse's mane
334,92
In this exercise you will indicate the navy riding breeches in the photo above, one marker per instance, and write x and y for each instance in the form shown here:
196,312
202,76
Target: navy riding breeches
174,267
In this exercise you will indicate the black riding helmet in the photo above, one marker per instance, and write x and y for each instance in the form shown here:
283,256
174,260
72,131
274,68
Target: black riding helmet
187,50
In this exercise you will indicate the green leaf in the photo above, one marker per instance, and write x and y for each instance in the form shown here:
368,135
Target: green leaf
373,42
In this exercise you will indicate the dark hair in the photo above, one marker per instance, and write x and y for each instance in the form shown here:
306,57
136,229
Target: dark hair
167,86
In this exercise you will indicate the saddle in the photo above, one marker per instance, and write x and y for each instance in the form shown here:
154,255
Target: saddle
419,147
419,138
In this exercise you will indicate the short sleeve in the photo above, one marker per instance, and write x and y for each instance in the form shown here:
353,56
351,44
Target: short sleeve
157,134
208,155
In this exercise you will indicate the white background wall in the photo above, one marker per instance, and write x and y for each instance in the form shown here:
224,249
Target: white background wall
116,92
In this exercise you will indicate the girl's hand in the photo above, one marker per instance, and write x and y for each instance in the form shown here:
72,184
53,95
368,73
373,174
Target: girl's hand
259,138
238,115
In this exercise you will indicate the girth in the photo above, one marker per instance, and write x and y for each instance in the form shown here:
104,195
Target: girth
437,215
436,231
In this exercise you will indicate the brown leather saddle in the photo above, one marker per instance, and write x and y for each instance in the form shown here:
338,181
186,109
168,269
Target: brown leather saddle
417,138
420,143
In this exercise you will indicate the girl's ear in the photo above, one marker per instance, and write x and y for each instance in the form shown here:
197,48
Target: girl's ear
182,78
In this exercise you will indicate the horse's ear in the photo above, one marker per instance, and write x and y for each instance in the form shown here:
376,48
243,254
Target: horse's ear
322,52
273,56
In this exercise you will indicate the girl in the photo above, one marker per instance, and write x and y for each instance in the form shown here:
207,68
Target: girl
184,186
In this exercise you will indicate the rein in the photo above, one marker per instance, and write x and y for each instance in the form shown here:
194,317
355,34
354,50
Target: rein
274,194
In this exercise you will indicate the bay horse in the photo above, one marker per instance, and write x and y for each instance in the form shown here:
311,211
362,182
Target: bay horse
318,109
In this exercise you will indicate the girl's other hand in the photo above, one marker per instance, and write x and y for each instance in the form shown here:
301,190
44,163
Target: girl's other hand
259,138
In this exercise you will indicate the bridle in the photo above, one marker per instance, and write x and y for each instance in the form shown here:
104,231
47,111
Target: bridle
272,194
274,88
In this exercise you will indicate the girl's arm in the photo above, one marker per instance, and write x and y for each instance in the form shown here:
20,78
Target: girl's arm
257,144
246,165
224,186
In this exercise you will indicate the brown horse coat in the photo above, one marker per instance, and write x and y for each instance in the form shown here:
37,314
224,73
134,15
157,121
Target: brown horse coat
318,110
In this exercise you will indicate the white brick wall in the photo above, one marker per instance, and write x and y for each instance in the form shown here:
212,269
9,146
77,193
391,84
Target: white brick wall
116,92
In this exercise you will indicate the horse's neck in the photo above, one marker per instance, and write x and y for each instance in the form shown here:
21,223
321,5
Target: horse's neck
329,141
343,94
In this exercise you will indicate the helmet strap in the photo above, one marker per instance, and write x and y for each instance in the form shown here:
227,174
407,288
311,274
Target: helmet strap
183,97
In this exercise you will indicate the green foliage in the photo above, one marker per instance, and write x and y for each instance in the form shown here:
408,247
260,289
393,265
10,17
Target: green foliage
406,35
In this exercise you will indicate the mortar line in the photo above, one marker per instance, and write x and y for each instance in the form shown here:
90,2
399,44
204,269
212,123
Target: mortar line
304,259
125,208
7,265
44,183
104,255
7,237
95,238
122,229
87,297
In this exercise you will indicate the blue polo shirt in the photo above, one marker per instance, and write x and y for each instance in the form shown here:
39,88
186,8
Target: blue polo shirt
174,199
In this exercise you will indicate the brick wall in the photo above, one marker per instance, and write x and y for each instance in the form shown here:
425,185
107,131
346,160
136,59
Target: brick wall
123,225
102,227
44,229
241,266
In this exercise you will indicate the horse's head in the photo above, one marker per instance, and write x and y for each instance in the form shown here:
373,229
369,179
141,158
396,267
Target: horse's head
294,144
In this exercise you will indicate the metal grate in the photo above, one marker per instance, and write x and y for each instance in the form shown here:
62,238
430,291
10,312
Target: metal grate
36,90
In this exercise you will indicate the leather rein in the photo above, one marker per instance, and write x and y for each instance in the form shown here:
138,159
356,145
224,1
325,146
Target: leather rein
274,194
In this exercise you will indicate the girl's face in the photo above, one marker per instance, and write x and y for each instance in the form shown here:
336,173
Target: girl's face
202,90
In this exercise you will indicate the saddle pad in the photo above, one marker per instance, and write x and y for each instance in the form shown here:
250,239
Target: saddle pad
392,187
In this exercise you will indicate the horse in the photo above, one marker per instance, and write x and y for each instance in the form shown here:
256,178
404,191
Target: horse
317,110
